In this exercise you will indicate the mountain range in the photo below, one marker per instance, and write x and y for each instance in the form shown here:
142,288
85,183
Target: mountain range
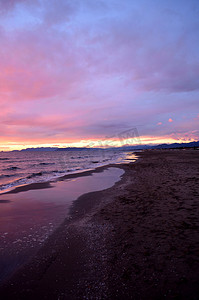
125,147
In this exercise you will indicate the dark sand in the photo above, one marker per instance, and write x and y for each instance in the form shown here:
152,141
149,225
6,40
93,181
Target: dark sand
136,240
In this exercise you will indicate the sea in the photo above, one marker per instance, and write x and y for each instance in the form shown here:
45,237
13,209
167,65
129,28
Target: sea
25,167
29,218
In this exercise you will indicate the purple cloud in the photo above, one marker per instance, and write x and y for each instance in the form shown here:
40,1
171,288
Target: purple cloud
98,67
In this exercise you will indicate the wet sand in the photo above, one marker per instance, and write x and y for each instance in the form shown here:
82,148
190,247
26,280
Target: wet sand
28,217
136,240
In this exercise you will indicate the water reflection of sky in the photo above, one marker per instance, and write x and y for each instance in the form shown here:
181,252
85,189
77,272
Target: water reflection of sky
27,218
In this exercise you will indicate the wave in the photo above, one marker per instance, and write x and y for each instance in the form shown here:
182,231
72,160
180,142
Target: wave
36,170
6,176
33,178
44,173
12,169
35,174
80,157
45,164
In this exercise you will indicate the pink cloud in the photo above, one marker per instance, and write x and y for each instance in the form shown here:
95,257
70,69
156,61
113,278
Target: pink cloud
72,75
9,5
34,72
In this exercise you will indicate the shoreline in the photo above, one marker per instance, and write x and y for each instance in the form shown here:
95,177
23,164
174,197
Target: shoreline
69,175
135,240
47,184
31,213
79,211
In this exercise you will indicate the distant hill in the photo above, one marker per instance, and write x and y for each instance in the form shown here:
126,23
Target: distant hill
55,149
77,149
163,146
39,149
128,148
178,145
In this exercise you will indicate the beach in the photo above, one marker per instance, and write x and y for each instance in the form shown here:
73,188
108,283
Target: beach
138,239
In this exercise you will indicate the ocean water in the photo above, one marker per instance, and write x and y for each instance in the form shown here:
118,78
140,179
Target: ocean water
27,219
20,168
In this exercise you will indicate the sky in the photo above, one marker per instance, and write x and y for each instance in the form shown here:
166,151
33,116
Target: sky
83,72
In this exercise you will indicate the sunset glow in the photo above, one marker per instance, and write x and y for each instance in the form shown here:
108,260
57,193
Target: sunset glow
78,73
